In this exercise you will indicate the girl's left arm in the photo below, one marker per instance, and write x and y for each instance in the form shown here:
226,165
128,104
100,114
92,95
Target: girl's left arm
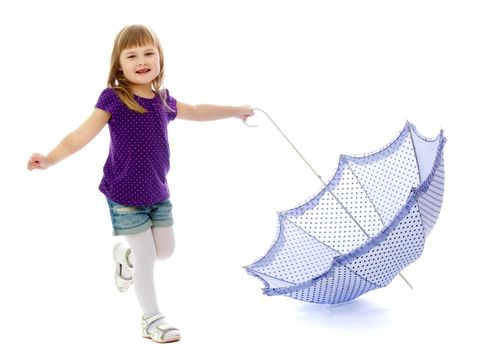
205,112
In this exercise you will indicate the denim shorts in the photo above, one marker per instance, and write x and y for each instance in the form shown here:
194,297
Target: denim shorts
128,220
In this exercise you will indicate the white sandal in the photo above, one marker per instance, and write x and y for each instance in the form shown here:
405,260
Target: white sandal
162,333
124,268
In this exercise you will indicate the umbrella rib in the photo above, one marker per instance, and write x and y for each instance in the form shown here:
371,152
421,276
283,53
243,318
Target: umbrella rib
415,154
309,234
316,239
360,184
376,210
279,279
367,195
348,212
361,277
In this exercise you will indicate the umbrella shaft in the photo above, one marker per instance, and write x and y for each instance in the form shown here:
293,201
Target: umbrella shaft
291,144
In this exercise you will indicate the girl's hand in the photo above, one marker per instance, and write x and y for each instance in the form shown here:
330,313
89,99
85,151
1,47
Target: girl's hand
244,112
38,161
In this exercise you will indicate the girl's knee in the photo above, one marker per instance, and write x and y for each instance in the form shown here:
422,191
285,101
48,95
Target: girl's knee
164,242
166,252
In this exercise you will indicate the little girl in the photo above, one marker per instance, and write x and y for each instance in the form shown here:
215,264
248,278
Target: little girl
137,109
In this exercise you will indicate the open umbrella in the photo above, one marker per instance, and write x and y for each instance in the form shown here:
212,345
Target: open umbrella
364,226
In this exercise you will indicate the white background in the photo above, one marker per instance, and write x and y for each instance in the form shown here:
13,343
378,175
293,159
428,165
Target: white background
337,76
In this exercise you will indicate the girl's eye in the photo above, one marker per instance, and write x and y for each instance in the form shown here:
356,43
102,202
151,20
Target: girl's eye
150,53
131,56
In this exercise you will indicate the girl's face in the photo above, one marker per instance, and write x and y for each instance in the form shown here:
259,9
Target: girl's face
140,64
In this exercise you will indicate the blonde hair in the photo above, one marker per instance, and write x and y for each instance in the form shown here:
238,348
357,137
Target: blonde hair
131,36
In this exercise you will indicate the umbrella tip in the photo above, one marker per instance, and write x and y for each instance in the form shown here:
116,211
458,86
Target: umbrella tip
406,281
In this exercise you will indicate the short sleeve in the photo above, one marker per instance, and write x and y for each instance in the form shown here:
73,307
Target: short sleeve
108,101
172,103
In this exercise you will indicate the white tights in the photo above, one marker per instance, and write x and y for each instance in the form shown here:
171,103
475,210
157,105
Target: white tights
156,243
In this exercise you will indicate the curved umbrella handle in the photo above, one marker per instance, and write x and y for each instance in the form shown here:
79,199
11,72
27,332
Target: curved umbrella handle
253,125
249,125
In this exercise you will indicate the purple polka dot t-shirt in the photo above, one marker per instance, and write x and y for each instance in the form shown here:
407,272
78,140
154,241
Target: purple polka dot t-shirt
136,168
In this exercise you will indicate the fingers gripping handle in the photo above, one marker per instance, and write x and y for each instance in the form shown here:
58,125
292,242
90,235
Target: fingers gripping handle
253,125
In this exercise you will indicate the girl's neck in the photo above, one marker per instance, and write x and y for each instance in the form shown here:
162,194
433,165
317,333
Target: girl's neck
144,91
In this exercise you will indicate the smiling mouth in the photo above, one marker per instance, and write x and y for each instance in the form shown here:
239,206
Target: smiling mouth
142,71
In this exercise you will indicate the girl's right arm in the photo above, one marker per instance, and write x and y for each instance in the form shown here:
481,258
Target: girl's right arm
72,142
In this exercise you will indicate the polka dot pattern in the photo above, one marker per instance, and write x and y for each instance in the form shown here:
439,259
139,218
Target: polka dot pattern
342,285
403,245
388,180
430,202
356,201
331,224
139,157
296,256
362,228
